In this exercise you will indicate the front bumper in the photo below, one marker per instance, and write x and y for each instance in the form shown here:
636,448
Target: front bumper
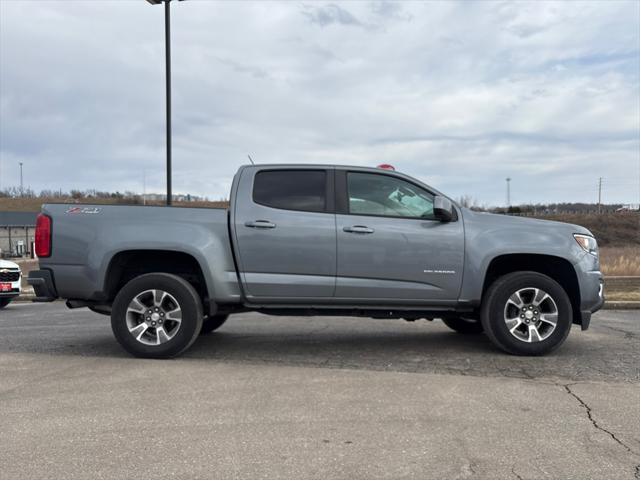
11,294
43,286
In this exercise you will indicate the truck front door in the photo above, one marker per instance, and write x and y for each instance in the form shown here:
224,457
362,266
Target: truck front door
391,248
285,233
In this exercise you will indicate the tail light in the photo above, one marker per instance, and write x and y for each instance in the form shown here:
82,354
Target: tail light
43,235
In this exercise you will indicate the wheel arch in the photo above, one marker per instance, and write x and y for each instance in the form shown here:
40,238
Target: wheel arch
559,269
128,264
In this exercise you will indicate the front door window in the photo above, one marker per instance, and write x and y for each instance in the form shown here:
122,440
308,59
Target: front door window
383,195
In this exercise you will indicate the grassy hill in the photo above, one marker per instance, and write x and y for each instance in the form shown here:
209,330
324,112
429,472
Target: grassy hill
615,230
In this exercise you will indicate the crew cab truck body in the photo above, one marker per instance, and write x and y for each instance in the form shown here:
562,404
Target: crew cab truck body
318,240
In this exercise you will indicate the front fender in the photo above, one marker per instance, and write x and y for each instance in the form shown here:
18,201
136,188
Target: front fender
493,236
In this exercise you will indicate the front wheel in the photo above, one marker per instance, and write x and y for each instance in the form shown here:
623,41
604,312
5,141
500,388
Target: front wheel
157,315
526,313
4,302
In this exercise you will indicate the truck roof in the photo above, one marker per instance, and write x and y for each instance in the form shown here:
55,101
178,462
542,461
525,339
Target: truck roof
359,168
318,165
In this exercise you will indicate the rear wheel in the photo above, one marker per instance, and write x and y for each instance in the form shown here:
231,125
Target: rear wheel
212,323
526,313
4,302
157,315
463,325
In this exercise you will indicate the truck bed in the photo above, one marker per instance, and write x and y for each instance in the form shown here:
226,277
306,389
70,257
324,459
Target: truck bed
87,237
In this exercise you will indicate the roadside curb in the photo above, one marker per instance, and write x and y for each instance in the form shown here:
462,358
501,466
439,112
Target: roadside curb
24,298
621,305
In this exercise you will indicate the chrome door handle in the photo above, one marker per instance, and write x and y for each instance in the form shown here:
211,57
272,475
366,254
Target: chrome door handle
260,224
358,229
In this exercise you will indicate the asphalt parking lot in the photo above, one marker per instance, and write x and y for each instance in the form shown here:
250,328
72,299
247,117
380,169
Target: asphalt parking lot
316,398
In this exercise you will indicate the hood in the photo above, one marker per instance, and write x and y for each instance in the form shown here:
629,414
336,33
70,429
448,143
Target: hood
498,220
8,264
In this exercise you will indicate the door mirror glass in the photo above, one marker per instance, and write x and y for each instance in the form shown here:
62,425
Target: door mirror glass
442,208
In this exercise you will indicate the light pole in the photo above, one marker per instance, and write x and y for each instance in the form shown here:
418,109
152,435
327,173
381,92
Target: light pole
167,46
21,183
508,179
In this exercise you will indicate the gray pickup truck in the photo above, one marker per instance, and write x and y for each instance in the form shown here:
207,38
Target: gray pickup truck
318,240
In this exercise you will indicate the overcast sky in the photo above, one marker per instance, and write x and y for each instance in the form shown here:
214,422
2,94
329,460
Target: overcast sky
460,95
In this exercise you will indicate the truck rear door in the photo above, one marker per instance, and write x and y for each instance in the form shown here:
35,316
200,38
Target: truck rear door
285,232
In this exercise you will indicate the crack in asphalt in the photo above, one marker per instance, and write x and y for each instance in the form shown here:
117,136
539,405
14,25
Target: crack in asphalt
527,374
584,404
627,334
515,474
467,470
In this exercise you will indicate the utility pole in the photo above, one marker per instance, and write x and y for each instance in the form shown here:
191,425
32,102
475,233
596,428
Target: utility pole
508,191
21,183
600,195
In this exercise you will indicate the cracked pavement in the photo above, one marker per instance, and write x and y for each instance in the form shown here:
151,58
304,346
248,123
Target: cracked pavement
322,397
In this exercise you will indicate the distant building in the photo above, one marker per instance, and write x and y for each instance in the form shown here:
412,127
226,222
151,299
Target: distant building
628,208
17,232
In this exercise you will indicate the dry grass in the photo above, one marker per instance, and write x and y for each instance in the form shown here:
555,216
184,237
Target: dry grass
620,261
621,295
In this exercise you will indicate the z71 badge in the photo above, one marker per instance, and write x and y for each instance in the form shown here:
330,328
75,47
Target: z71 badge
85,210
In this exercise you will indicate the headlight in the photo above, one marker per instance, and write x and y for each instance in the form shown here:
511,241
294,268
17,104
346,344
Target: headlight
587,243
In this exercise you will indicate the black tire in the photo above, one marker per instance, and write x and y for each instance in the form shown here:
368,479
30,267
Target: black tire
211,323
462,325
495,302
5,301
185,333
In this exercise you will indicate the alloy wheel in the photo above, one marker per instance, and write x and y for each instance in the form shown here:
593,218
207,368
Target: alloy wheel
153,317
531,314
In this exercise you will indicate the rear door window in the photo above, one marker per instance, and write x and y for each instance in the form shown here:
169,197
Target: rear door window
304,190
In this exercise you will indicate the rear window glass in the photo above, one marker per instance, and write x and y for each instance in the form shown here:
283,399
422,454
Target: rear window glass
291,189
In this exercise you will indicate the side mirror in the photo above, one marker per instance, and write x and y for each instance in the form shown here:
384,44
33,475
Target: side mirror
442,208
